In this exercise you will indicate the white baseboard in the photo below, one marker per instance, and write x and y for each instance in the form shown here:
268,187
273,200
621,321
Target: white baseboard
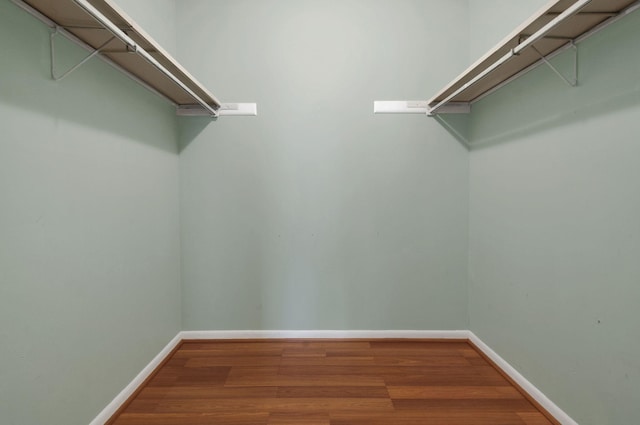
531,389
296,334
121,398
534,392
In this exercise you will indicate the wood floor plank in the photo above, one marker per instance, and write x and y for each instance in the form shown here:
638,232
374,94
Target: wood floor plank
333,392
240,345
214,392
336,345
421,361
433,373
305,381
461,405
222,352
239,371
328,361
453,392
304,352
257,405
218,361
171,376
421,380
299,419
533,418
389,352
193,419
427,418
422,345
328,382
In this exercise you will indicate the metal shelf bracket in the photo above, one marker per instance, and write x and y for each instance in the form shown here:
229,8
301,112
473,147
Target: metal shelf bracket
52,45
571,81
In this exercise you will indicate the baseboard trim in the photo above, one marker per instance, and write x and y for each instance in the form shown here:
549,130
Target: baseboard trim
124,395
534,393
301,334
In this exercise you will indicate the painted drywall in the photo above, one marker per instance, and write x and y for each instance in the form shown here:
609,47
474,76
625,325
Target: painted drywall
555,235
156,17
317,214
490,21
89,230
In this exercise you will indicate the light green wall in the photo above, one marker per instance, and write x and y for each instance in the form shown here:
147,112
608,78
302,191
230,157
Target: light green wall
555,235
156,17
490,21
318,214
89,230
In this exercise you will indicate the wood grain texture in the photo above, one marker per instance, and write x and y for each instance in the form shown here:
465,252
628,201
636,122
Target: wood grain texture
329,382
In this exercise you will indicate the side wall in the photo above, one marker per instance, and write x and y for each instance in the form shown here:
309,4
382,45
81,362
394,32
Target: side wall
318,214
89,230
157,18
490,21
555,235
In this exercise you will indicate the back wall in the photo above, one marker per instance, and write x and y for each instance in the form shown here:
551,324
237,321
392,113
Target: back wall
318,214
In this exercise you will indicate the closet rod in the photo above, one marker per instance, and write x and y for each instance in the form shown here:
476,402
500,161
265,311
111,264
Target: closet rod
575,8
98,16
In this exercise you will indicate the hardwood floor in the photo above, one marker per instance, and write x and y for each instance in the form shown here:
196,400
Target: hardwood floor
328,382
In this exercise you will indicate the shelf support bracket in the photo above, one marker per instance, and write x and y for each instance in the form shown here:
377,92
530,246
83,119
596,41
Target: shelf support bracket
571,81
52,45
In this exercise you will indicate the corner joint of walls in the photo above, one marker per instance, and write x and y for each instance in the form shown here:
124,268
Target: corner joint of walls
531,390
119,401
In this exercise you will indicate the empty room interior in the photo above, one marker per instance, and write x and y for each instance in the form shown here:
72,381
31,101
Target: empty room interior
336,212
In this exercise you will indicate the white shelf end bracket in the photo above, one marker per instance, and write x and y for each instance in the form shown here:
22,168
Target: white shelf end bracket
417,107
226,109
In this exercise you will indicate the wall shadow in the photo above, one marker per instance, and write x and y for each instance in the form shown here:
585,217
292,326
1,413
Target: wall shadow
557,117
457,125
189,128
